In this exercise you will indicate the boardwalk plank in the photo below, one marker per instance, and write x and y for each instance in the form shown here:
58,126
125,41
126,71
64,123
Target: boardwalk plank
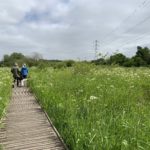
26,126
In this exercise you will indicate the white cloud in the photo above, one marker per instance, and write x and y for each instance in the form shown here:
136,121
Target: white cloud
65,29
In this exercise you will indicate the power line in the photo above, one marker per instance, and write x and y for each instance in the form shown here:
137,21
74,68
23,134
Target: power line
134,27
126,19
145,34
136,39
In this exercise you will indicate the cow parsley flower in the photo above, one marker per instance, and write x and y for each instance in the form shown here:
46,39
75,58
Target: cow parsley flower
93,97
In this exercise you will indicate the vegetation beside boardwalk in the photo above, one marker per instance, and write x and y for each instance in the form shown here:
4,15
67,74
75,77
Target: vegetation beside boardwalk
5,89
96,107
93,104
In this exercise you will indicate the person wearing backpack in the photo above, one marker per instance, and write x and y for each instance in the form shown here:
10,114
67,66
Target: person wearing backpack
24,71
16,74
24,74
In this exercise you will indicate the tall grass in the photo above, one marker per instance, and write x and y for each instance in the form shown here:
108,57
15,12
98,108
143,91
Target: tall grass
97,108
5,89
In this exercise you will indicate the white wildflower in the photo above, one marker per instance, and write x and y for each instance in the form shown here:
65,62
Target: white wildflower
38,86
93,79
51,84
93,97
132,86
80,91
125,143
77,140
112,86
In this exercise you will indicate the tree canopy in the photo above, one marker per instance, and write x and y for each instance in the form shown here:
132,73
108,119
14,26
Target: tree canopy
141,58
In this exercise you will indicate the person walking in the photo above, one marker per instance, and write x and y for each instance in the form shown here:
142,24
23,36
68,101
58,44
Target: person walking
24,74
16,74
24,71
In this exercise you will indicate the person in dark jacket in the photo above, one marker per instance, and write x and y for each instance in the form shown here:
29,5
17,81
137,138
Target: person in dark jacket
24,71
16,73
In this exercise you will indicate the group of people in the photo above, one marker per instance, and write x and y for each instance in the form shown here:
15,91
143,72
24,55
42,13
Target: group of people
19,75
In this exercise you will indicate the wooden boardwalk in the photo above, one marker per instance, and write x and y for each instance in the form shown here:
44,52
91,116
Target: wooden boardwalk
26,126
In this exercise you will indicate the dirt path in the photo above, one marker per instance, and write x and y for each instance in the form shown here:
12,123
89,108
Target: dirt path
26,126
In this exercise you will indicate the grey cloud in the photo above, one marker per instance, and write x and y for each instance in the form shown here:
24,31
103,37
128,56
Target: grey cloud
65,29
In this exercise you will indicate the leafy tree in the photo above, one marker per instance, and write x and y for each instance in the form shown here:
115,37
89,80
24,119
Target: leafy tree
129,62
69,63
119,59
138,61
16,56
143,55
8,60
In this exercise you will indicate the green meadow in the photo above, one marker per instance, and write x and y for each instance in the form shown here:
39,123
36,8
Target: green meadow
5,89
96,108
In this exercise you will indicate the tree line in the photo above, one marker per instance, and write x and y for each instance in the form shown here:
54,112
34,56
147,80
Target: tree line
141,58
35,59
9,60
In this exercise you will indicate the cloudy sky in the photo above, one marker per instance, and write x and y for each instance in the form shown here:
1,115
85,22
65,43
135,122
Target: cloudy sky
67,29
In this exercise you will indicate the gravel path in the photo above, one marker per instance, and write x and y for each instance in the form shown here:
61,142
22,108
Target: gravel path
26,126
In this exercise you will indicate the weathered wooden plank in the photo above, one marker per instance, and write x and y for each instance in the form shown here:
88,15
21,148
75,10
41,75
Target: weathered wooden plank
26,125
